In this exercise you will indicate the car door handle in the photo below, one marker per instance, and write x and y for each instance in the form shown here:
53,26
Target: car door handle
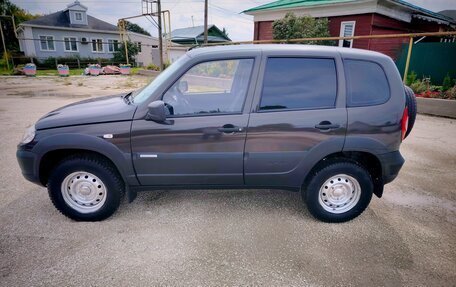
326,125
229,129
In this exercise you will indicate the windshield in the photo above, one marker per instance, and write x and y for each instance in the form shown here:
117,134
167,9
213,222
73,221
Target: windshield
144,93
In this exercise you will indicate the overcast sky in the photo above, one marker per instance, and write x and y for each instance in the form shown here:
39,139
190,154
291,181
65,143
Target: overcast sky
223,13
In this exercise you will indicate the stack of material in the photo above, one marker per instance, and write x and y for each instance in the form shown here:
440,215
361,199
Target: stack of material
110,70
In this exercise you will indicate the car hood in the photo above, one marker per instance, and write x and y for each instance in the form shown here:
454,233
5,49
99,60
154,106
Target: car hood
96,110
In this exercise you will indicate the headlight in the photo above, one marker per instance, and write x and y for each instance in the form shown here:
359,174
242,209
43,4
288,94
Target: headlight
29,135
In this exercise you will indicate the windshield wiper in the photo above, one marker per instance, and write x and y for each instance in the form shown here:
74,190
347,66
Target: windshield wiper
127,98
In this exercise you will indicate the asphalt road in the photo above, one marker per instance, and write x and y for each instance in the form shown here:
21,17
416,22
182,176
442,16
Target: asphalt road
251,237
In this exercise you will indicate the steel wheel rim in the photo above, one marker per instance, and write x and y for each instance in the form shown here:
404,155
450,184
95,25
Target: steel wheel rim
83,192
339,194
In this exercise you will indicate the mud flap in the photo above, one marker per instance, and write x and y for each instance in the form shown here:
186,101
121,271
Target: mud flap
378,189
131,194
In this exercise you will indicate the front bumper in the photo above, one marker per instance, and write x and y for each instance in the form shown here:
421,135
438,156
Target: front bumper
27,161
392,163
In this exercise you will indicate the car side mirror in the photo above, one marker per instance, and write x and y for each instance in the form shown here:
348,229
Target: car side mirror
156,112
183,86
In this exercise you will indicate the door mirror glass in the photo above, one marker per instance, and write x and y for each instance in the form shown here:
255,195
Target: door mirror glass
213,87
156,112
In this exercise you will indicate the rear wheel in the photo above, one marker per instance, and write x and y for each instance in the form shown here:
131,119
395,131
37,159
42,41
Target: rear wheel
85,189
412,109
339,192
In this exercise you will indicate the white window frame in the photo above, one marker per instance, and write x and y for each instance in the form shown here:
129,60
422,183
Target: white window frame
342,30
113,47
47,44
69,38
96,40
139,45
76,16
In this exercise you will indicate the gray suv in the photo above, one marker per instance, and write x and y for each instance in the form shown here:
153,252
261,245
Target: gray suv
324,121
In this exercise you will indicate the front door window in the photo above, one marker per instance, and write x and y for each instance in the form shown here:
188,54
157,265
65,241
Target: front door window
215,87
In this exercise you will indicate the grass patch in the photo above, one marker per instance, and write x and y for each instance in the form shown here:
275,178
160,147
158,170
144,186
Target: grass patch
73,72
4,72
134,70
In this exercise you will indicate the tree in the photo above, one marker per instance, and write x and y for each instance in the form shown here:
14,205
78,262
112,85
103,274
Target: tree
119,55
293,27
225,33
20,15
135,28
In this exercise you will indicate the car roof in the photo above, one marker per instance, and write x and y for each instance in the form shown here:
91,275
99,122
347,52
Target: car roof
233,49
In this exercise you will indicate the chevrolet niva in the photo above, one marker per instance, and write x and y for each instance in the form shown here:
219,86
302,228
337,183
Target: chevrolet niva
324,121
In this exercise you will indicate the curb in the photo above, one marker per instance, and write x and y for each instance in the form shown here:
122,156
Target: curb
437,107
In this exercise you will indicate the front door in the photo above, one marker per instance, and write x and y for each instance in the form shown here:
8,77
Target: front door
203,139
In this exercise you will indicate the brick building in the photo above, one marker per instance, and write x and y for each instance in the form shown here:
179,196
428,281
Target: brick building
356,18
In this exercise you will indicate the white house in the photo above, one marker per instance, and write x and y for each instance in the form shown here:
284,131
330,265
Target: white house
72,32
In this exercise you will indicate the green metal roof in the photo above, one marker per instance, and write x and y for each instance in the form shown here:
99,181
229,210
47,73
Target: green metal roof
283,4
195,35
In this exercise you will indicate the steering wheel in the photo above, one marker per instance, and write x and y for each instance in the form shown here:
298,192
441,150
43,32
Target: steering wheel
176,99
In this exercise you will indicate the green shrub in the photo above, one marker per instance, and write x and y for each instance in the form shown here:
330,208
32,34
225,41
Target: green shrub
451,93
72,62
447,83
119,54
418,87
411,78
153,67
293,27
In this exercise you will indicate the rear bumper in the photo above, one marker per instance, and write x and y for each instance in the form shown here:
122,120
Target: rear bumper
27,161
392,163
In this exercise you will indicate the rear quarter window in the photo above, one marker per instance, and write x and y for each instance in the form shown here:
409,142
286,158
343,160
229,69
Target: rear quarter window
367,84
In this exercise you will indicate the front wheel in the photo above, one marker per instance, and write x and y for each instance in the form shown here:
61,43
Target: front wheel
339,192
85,188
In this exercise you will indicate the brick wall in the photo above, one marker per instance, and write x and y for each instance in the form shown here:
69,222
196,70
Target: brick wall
263,30
363,26
366,24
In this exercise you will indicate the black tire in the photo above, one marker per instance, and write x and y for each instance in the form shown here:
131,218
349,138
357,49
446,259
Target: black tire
103,170
412,109
312,195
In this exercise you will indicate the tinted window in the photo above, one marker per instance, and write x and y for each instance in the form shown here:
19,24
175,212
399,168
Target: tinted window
299,83
210,88
366,83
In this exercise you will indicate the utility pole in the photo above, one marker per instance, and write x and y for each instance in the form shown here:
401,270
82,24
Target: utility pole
123,37
148,10
160,37
205,21
5,54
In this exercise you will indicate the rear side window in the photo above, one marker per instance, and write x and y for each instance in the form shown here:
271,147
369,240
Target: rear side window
366,83
299,83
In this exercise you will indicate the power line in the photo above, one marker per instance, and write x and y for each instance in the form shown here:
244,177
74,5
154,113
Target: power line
245,20
154,23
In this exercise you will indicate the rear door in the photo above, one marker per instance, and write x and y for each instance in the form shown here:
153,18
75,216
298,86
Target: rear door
298,117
